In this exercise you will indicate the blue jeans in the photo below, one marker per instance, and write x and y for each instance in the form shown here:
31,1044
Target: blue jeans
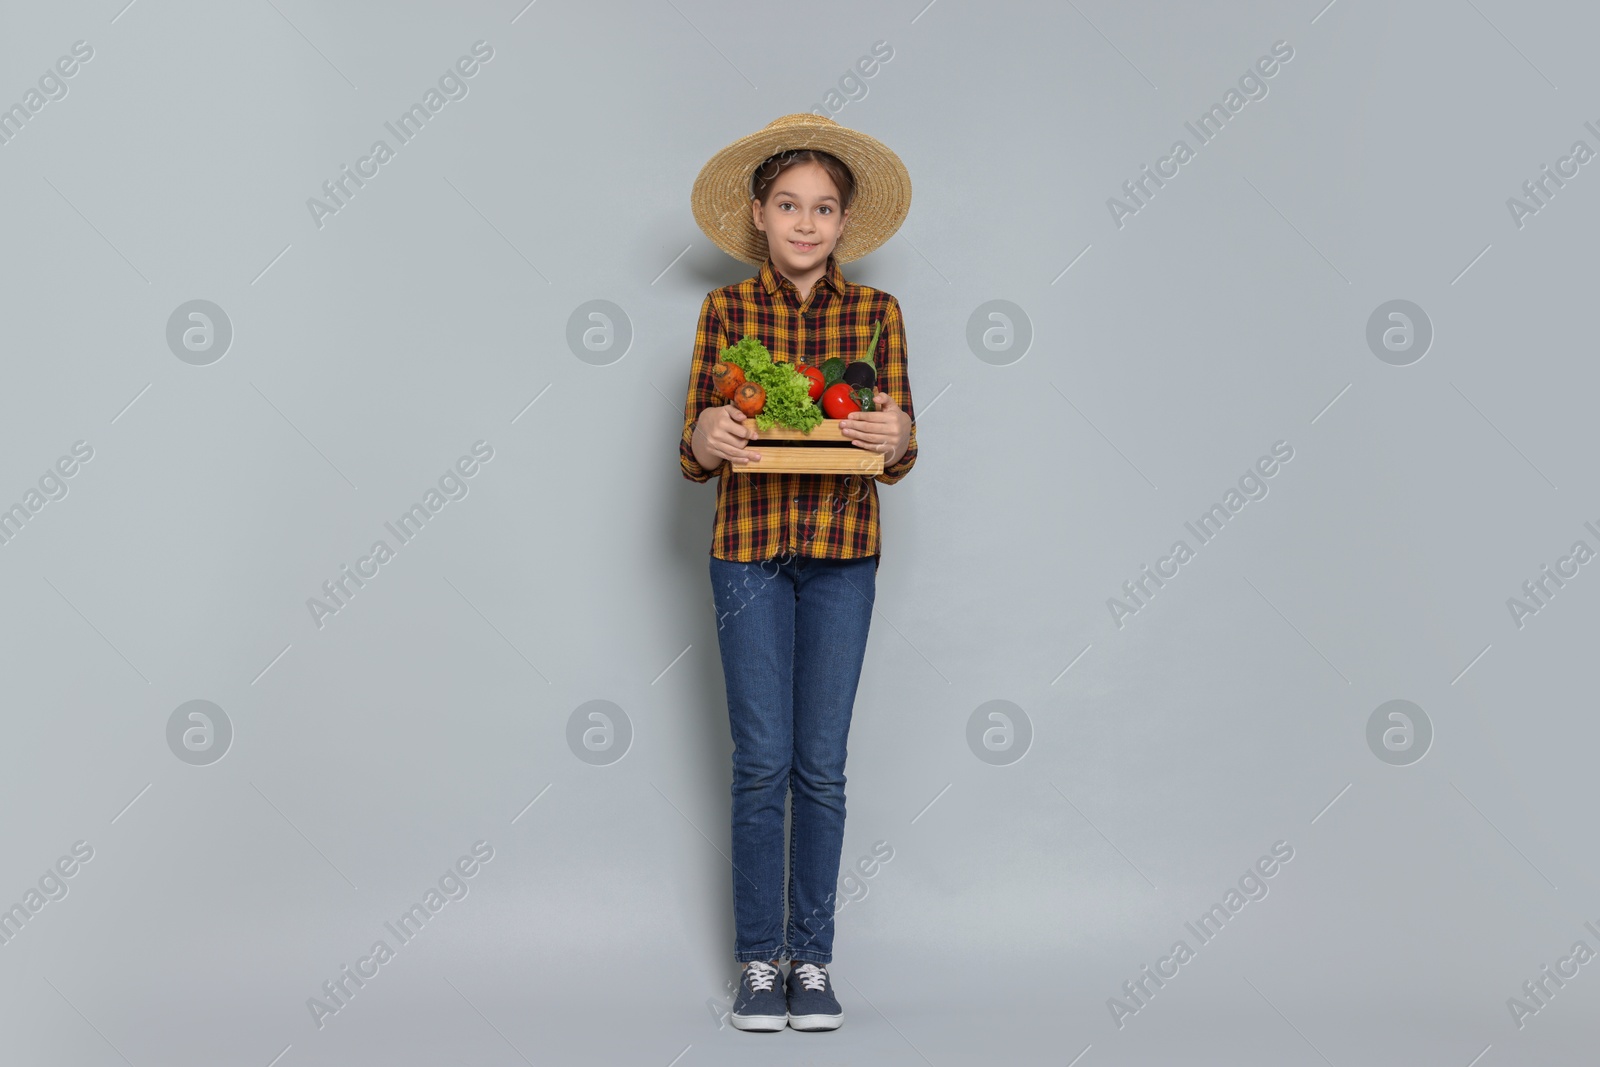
793,632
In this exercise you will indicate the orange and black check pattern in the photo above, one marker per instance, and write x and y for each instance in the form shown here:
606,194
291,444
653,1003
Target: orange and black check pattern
760,516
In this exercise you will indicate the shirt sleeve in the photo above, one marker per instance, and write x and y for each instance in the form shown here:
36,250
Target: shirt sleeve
894,378
709,341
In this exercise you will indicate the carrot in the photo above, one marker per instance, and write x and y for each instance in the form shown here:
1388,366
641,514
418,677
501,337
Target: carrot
750,398
727,377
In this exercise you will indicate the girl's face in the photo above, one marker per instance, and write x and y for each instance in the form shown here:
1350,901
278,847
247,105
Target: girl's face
801,218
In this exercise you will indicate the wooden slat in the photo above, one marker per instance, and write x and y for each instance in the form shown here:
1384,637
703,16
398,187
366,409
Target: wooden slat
803,460
826,430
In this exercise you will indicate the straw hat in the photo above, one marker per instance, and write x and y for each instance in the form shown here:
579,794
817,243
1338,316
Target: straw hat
722,192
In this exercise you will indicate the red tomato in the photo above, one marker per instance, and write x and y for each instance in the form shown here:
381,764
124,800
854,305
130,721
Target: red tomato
837,403
816,377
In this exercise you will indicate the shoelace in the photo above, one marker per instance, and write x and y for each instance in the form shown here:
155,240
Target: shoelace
761,976
812,976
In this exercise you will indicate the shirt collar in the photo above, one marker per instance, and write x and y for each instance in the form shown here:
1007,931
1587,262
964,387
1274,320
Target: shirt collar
772,281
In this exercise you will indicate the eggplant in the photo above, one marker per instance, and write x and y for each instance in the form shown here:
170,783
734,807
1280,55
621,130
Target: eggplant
859,374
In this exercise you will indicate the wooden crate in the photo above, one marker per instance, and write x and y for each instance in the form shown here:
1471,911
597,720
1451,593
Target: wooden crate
826,451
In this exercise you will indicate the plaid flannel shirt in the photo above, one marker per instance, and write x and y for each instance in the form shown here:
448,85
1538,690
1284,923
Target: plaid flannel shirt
761,516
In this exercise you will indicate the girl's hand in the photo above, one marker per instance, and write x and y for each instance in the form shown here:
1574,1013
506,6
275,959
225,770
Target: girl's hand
886,430
724,430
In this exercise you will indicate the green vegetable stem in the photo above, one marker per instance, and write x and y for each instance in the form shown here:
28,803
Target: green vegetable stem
873,347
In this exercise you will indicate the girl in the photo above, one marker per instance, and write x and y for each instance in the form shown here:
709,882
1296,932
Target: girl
794,557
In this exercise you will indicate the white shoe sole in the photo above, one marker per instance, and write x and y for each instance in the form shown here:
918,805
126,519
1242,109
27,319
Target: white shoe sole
815,1022
758,1022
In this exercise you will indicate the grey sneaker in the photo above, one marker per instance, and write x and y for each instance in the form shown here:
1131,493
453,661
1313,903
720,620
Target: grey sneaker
812,1005
760,1003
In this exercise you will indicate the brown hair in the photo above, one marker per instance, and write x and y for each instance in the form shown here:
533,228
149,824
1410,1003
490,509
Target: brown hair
767,174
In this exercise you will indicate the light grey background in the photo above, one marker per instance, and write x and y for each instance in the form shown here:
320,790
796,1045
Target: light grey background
433,711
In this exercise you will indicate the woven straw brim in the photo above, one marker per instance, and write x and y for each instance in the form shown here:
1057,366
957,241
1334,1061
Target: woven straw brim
721,195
